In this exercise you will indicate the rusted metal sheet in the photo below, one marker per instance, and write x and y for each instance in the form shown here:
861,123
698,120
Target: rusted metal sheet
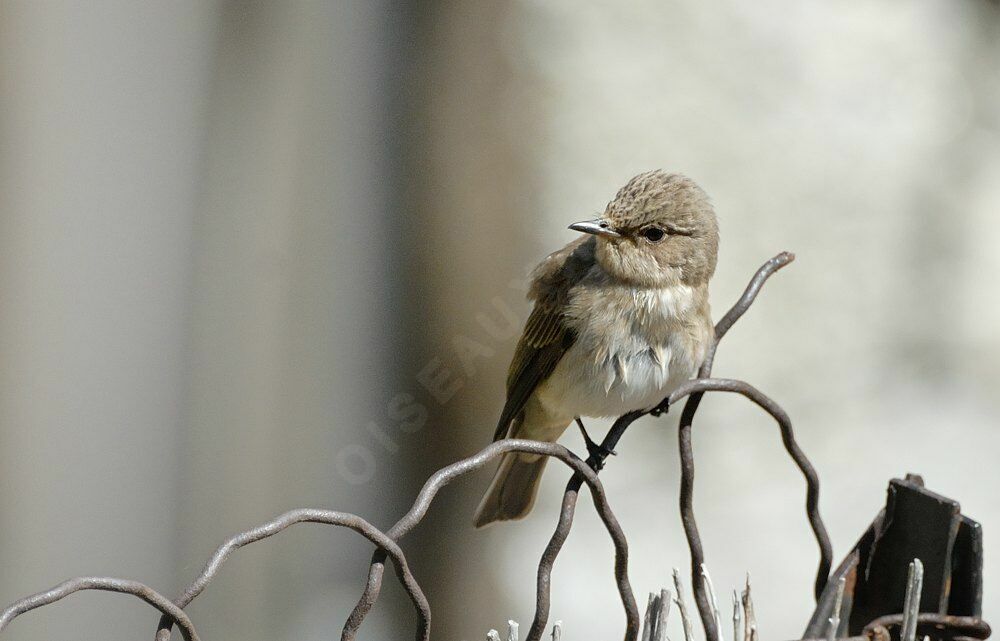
915,524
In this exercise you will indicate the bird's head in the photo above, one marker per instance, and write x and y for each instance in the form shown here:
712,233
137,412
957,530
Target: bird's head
660,229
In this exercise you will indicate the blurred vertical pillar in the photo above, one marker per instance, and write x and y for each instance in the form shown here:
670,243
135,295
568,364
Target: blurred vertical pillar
101,114
293,346
472,186
198,285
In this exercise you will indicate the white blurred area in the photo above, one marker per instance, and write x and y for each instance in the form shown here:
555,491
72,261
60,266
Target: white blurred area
230,232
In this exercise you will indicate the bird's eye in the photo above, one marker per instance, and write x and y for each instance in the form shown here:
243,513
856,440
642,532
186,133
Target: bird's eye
653,234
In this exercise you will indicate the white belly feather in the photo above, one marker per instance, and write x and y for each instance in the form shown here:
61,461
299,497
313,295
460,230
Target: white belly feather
628,357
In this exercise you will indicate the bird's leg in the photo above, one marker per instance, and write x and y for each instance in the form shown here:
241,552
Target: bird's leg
595,451
592,447
662,408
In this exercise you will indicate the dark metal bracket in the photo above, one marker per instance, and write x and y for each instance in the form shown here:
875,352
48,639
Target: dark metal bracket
915,524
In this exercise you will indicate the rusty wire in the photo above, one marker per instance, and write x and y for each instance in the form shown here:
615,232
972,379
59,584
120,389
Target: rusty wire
124,586
543,581
694,390
565,523
699,386
932,624
788,439
446,475
583,472
691,388
306,515
173,610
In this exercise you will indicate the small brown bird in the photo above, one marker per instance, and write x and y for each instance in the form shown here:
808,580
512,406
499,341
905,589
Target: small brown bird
620,319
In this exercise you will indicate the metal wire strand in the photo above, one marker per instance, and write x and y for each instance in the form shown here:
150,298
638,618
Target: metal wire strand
700,386
170,611
543,581
687,456
694,389
945,625
460,468
307,515
583,472
559,536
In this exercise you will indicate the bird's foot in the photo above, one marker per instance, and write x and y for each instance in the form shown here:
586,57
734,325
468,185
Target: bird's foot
596,453
661,409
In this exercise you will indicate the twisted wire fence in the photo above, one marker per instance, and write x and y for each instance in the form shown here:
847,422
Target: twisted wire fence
744,623
387,546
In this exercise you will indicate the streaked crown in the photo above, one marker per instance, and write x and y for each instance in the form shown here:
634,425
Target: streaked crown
660,228
656,196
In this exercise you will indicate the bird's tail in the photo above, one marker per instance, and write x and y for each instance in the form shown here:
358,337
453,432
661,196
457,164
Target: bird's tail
512,493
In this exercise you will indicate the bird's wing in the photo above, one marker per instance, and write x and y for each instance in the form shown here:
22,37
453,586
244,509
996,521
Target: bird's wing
546,336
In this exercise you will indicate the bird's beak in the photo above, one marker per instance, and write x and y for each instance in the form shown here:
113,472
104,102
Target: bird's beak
597,227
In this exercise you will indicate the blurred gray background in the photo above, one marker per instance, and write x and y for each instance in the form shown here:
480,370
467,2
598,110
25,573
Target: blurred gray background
243,246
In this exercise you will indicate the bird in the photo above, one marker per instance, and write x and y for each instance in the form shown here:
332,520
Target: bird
620,319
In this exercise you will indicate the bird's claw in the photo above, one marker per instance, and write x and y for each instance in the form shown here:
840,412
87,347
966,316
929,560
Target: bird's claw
596,452
660,409
599,451
597,455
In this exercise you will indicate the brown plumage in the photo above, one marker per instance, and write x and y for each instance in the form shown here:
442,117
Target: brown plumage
620,318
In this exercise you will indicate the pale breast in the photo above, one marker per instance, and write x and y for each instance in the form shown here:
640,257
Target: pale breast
633,347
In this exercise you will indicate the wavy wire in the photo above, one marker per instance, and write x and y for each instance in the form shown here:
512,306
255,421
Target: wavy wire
583,473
